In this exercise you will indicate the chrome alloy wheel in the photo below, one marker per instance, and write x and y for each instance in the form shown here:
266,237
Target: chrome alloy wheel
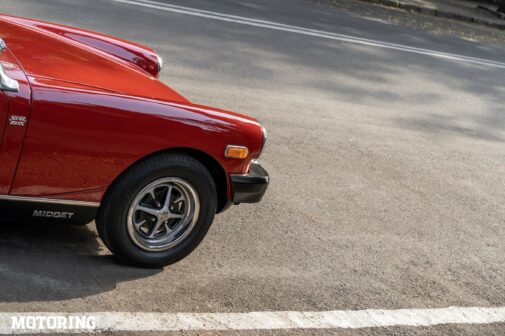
162,214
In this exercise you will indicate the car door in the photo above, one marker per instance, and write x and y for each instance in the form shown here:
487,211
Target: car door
14,115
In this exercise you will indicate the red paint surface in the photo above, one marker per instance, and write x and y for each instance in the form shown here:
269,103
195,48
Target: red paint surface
143,57
49,55
92,116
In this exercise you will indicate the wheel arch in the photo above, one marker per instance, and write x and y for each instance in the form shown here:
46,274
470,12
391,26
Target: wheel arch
208,161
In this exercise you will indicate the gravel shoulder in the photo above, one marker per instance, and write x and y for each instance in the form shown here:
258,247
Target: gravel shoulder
434,25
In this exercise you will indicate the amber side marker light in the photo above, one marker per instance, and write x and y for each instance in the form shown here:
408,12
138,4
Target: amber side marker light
236,152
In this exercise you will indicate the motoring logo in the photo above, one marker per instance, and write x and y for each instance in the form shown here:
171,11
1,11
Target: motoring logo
17,120
52,214
55,323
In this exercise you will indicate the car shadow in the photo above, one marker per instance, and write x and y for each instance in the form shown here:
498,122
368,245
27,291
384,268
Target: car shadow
52,262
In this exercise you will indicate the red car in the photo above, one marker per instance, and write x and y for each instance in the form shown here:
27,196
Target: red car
89,133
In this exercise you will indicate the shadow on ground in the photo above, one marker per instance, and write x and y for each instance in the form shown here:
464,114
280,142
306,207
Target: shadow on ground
51,262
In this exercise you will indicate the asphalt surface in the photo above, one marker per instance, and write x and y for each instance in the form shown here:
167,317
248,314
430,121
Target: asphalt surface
388,173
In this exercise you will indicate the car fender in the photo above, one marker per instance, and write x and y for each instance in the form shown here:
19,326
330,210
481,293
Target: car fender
79,139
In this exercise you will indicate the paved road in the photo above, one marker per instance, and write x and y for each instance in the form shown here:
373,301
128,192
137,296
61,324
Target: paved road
388,172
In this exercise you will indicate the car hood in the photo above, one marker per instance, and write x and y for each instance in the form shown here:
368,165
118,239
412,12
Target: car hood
45,54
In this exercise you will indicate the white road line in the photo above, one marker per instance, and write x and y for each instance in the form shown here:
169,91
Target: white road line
309,32
336,319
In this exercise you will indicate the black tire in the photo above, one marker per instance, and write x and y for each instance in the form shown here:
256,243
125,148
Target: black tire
112,217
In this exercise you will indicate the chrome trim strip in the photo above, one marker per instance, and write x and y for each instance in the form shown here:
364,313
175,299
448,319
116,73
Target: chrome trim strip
160,63
48,200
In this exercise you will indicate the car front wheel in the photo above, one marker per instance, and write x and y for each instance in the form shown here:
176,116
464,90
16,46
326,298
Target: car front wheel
158,211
